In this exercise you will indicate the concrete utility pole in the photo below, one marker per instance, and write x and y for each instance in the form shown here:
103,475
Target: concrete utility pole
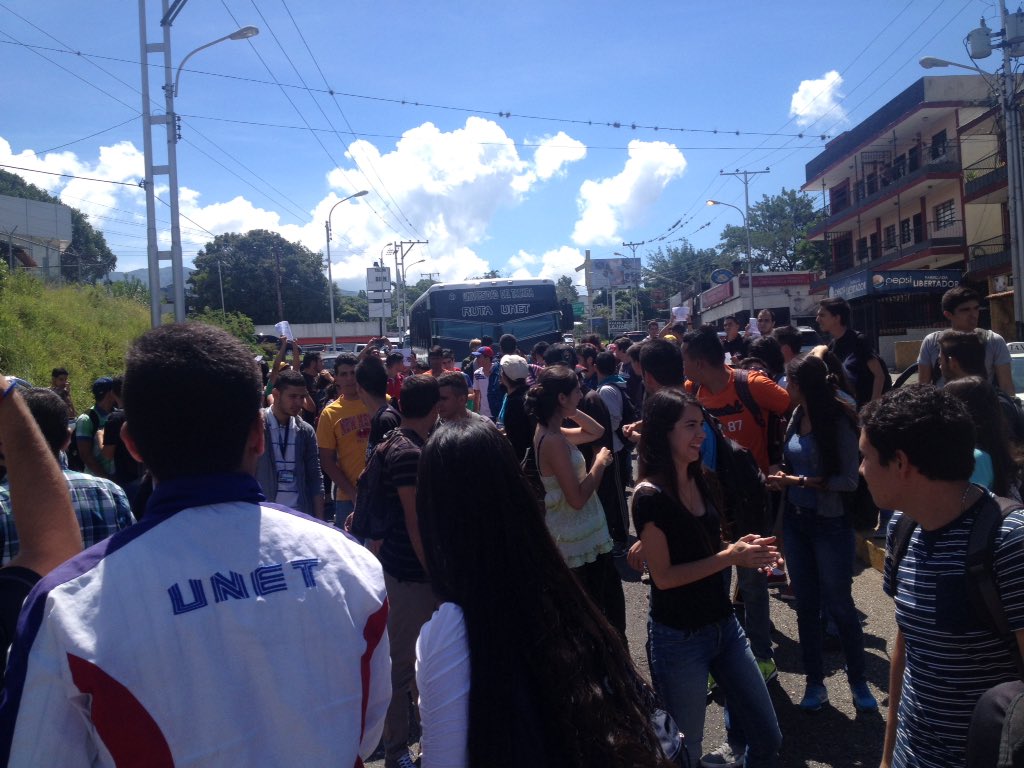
169,12
401,251
277,280
746,222
636,297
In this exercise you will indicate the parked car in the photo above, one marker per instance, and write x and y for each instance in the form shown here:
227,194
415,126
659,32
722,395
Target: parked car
809,338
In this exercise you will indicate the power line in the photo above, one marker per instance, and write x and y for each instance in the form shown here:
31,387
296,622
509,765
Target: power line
633,125
401,214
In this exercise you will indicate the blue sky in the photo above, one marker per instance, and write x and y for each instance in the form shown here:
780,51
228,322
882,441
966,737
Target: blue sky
525,193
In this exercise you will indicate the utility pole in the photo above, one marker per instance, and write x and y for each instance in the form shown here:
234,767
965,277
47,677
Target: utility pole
636,297
277,279
431,276
745,175
220,277
401,251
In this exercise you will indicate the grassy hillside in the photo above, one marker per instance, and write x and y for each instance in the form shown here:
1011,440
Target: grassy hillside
81,328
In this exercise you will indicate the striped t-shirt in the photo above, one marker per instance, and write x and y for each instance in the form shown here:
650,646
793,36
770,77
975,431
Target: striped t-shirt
951,658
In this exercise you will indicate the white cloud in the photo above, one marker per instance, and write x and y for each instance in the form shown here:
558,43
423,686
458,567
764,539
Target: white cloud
551,264
553,153
620,201
442,186
816,98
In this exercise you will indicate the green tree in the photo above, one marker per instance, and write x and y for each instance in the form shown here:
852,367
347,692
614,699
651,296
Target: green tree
238,325
88,258
564,289
778,234
352,309
682,268
132,288
251,264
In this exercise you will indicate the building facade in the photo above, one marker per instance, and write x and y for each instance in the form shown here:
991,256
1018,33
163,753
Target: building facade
897,224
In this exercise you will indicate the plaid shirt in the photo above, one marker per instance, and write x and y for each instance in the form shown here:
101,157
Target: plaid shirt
100,504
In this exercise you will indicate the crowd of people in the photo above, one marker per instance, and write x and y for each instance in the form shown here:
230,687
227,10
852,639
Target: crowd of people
308,563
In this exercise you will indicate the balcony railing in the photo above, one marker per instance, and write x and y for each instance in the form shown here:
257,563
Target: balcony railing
989,254
987,172
865,192
842,255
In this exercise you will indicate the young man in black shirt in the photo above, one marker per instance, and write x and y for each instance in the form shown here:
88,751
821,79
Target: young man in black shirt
410,595
853,349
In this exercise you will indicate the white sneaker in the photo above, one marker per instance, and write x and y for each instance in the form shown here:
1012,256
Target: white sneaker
722,757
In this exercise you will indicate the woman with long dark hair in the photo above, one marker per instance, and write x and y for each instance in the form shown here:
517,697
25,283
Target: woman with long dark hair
574,515
517,667
821,463
692,630
995,466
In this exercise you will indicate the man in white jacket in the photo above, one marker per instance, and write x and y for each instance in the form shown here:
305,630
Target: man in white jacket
218,630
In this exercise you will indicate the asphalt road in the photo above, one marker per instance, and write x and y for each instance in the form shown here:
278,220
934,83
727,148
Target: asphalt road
837,736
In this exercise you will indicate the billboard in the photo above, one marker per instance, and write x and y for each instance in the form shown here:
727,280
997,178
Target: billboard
613,273
895,281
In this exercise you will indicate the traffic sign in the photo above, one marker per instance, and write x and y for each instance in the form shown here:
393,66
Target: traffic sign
378,279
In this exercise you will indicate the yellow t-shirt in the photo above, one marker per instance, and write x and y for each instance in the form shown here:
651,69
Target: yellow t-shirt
344,428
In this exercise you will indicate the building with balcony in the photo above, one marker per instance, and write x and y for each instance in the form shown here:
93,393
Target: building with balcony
895,231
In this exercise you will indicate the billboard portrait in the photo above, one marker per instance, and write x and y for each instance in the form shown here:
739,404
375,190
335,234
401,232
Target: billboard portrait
613,273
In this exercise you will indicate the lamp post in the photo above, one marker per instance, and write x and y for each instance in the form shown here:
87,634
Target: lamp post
405,309
750,252
1006,91
170,168
330,277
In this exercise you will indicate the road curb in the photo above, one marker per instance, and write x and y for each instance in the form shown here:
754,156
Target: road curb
871,551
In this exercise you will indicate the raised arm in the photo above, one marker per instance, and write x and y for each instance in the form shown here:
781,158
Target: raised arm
48,530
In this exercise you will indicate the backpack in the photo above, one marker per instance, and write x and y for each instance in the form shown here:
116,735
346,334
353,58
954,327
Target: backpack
982,590
747,503
371,517
75,461
629,412
774,427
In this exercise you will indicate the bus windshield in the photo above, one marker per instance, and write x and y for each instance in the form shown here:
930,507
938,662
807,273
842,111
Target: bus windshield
450,315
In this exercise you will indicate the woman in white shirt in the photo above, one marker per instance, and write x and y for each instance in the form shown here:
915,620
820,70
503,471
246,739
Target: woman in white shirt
517,667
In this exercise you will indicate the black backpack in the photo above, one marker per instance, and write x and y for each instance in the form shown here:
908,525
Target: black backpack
982,590
371,517
75,461
748,506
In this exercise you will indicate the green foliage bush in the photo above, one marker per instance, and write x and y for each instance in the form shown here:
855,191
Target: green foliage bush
81,328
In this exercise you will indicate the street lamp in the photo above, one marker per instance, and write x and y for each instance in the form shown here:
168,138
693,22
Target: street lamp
330,278
1006,91
750,252
170,168
239,34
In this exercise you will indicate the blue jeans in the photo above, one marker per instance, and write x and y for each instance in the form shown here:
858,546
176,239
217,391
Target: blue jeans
680,663
819,557
753,586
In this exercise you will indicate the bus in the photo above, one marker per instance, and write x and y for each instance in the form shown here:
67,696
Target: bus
450,315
